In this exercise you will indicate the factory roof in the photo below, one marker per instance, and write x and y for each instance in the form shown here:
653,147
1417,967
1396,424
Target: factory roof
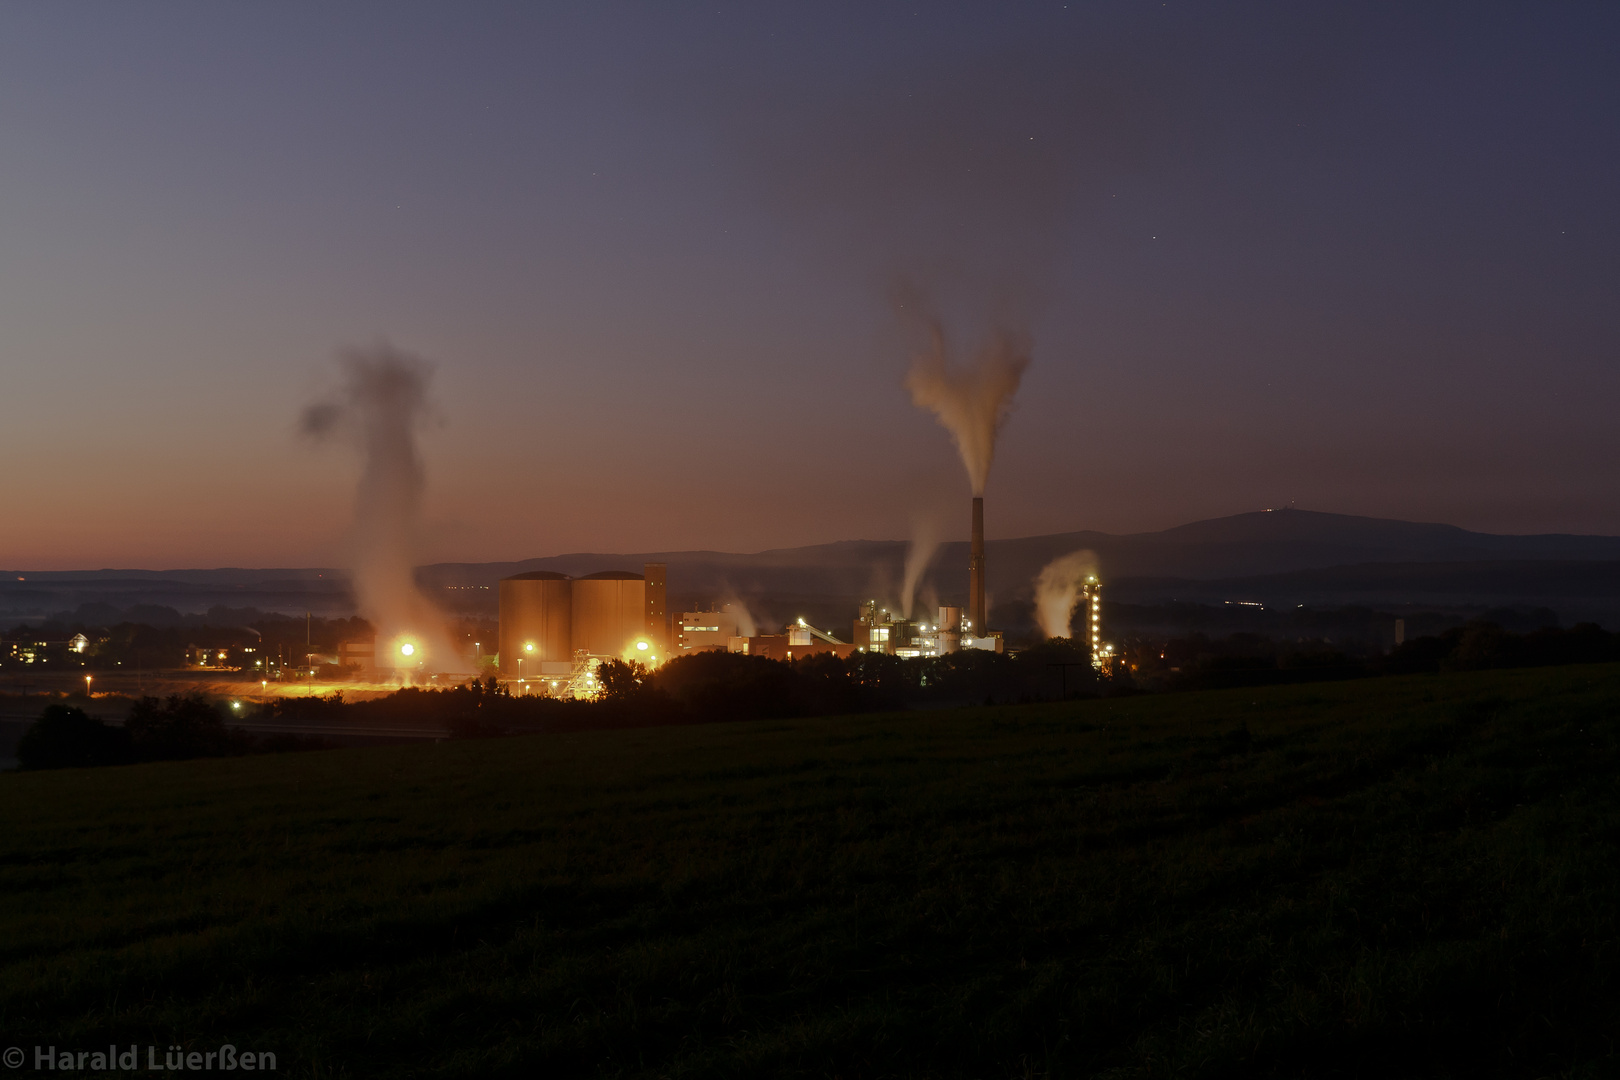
613,575
538,575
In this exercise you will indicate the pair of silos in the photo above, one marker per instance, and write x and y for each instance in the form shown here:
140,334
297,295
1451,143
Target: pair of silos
547,617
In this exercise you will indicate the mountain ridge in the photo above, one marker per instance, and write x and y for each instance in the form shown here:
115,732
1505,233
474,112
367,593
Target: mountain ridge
1255,544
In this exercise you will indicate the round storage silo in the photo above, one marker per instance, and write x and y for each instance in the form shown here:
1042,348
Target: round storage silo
537,618
610,613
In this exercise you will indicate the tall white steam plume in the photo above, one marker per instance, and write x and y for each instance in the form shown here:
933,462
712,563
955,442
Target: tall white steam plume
381,405
971,401
1057,587
925,535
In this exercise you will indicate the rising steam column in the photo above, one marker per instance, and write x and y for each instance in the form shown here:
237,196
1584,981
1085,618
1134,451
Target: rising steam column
971,403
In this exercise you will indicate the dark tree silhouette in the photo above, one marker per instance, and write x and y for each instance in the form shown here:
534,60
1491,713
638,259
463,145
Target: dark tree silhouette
64,738
180,726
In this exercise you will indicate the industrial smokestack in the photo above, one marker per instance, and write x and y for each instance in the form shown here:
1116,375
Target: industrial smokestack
972,403
976,570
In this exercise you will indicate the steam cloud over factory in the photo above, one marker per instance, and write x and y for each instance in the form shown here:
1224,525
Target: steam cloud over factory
555,631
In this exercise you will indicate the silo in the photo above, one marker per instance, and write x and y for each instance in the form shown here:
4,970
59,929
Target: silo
610,614
537,620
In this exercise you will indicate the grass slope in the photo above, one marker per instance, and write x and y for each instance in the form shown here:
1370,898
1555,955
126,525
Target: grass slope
1396,877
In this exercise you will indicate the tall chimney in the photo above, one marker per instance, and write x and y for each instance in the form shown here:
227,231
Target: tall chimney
976,570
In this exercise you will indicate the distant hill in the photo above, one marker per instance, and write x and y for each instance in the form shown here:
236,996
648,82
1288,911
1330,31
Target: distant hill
1262,542
1286,553
1578,590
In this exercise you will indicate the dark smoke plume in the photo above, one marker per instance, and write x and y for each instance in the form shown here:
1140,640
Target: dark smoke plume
382,404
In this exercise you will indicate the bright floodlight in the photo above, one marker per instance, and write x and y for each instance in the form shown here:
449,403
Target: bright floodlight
643,646
528,646
407,649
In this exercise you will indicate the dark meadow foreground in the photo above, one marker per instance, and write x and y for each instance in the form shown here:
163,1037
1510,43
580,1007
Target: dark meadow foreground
1414,876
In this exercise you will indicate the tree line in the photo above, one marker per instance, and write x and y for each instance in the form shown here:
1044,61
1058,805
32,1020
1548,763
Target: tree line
719,687
158,729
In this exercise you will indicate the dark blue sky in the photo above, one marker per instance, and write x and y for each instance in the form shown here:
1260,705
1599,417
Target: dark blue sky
1359,257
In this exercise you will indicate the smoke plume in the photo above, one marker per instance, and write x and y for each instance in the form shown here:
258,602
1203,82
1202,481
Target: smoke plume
971,401
1057,587
381,405
925,535
746,625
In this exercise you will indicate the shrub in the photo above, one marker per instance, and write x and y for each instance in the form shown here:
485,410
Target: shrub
65,738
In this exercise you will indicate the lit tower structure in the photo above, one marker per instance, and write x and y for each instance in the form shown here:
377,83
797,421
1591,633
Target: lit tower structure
1091,608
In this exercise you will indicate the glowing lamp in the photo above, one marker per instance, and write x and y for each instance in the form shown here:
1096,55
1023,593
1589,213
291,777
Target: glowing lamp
407,649
642,646
528,646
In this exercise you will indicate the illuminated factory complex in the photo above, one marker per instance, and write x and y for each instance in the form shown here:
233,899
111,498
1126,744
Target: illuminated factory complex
555,630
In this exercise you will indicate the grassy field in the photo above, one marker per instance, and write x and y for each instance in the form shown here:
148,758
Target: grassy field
1393,877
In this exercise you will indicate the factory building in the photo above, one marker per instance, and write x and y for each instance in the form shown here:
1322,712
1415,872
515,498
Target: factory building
697,631
796,641
657,619
881,631
552,625
717,630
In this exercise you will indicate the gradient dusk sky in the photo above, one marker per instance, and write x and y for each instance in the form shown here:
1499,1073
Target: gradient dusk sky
1360,257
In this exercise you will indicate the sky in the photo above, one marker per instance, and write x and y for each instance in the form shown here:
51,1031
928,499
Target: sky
1358,258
